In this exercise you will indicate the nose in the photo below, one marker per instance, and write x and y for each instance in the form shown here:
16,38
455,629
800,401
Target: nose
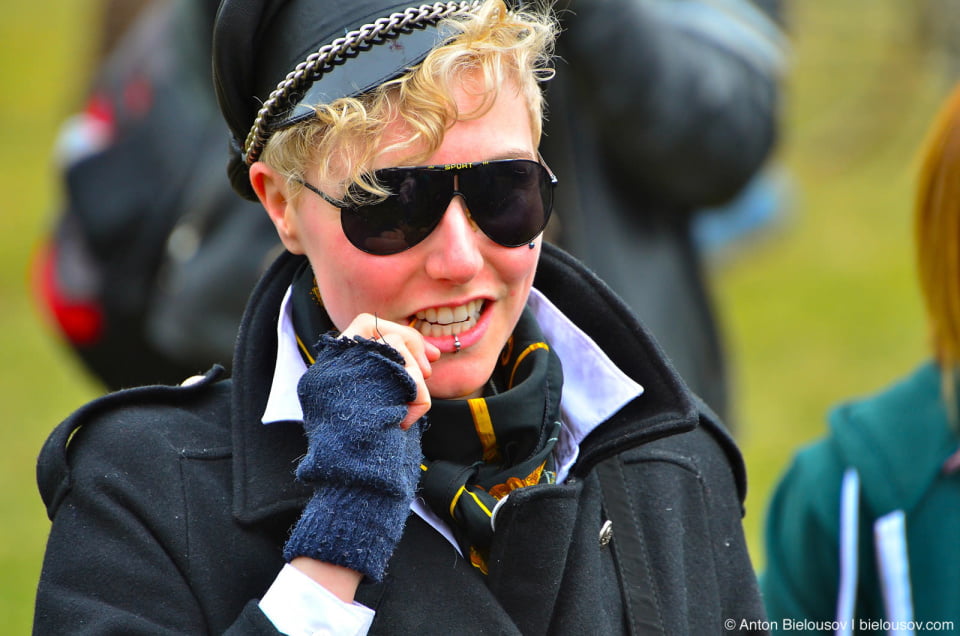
455,245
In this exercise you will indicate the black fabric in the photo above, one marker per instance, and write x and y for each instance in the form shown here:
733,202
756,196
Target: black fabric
169,514
256,44
524,413
465,475
641,605
310,320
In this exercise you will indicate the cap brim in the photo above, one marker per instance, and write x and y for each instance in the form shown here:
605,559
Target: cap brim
380,62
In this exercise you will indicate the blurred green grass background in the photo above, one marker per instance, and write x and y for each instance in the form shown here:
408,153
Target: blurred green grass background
822,308
44,53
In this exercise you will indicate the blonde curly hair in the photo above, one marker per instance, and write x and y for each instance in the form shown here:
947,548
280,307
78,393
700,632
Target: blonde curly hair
496,44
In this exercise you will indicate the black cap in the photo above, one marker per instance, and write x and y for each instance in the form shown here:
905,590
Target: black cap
257,43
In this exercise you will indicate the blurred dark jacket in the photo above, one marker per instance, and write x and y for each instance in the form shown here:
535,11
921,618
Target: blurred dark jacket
152,256
659,108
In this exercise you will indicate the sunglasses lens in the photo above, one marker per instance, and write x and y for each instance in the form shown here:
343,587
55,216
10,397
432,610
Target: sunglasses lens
403,219
510,200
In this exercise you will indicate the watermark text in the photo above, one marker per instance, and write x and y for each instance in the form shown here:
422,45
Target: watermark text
857,624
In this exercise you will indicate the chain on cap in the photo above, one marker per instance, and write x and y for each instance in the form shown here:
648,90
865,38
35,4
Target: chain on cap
312,67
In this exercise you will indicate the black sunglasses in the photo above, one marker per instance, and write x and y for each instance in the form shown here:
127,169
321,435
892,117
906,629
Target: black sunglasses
509,199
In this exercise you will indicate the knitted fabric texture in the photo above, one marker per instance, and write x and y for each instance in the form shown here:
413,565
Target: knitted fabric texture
363,467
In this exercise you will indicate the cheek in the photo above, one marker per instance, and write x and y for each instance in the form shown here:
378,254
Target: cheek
332,265
352,282
516,267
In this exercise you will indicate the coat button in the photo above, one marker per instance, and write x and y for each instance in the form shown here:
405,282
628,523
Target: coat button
606,533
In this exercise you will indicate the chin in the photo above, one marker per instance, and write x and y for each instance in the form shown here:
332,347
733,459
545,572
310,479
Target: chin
458,379
454,390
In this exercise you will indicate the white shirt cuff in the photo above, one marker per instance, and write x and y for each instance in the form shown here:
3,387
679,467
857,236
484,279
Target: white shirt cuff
299,606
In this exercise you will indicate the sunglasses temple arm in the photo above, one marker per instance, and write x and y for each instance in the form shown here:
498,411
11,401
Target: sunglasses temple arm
328,199
543,162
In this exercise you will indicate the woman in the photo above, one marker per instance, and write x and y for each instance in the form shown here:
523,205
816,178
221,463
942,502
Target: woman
398,359
862,527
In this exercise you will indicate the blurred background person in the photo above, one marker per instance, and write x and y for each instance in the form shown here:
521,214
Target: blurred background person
864,523
152,256
659,111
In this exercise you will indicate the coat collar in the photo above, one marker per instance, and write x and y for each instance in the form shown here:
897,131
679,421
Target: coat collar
667,406
265,457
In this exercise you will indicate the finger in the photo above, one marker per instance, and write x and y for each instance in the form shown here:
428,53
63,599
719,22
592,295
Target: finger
431,350
415,410
423,352
374,328
421,403
410,344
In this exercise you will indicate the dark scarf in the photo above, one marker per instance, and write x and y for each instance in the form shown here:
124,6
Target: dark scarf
479,450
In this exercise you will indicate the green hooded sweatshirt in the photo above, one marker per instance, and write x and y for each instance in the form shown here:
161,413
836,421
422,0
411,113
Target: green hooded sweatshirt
897,442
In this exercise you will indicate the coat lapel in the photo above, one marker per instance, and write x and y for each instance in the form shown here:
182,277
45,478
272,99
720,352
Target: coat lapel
265,456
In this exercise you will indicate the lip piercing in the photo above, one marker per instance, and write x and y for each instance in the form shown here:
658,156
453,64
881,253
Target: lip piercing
532,244
456,344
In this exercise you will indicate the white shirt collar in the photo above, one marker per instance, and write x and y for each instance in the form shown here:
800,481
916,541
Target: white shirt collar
594,388
283,403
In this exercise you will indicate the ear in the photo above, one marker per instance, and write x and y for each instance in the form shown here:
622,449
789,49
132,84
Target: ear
272,190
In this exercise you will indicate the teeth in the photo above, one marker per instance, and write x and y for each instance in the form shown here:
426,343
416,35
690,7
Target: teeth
447,321
444,316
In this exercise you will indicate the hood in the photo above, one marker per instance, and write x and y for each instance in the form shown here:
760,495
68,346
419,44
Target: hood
900,432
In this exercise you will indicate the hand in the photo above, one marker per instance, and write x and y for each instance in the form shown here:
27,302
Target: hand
363,467
417,355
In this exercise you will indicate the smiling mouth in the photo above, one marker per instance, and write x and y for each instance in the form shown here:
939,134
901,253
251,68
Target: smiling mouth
448,321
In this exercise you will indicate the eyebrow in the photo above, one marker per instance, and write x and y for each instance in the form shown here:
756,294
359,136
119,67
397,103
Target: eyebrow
514,154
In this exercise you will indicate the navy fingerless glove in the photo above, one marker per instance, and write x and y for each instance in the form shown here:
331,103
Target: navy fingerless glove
363,467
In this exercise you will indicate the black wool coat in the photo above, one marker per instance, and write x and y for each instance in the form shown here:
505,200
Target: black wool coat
170,505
